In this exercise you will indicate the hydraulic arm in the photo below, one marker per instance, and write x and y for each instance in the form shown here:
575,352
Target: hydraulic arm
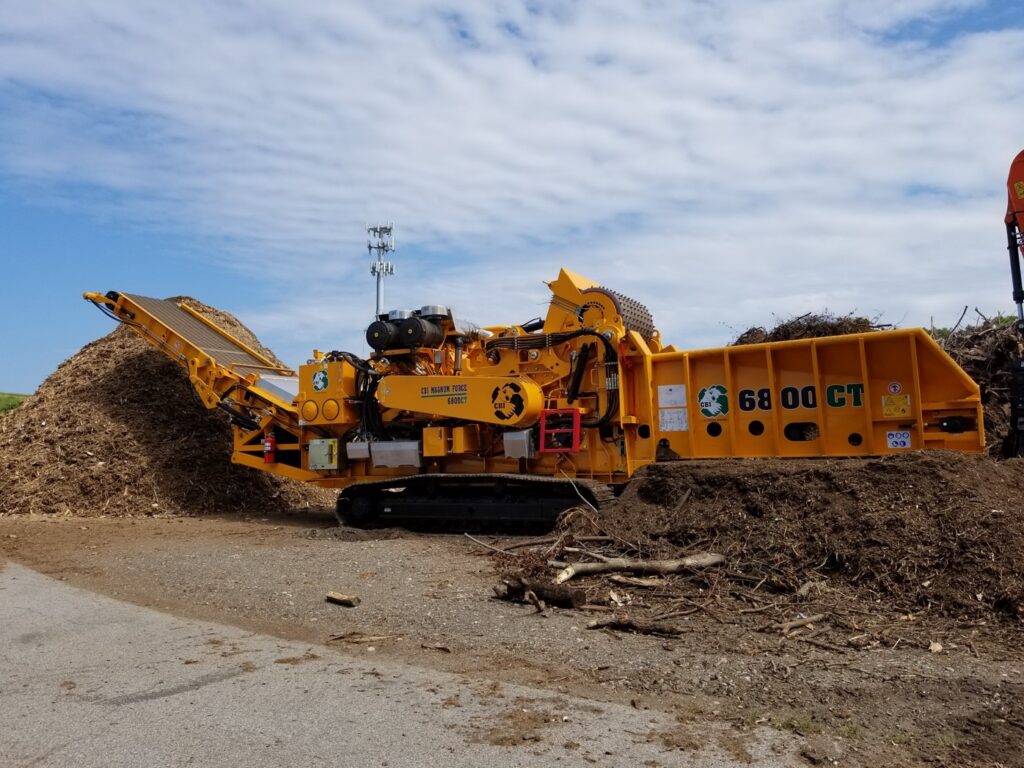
1015,247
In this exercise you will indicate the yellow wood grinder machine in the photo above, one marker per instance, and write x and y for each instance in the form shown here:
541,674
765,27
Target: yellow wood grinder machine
447,419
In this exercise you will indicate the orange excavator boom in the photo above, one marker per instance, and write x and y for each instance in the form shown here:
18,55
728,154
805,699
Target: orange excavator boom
1015,232
1015,247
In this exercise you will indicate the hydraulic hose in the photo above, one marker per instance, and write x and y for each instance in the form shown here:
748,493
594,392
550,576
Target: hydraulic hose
548,340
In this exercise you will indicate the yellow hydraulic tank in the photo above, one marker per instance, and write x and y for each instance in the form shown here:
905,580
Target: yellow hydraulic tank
861,394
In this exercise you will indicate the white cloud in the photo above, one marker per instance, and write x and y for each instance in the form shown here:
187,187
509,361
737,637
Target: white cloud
719,160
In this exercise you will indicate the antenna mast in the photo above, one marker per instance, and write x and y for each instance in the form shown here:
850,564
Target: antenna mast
381,241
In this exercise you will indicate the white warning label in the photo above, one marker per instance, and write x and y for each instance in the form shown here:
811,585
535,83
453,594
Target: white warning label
673,420
672,395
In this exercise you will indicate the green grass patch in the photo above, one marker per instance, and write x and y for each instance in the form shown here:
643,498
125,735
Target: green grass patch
7,402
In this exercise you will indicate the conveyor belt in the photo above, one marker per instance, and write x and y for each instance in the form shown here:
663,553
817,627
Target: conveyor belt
217,344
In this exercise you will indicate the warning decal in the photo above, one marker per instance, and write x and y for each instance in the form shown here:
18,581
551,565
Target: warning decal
672,395
673,420
894,406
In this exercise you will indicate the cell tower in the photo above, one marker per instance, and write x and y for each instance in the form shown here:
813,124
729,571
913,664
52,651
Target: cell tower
381,241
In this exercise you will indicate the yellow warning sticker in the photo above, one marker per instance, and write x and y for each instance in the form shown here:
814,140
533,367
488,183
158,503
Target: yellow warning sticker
1018,187
895,405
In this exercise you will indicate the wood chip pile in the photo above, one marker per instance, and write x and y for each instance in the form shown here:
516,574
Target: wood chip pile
117,430
876,544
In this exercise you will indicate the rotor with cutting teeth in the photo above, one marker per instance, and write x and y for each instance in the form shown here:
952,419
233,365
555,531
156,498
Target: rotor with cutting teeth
635,316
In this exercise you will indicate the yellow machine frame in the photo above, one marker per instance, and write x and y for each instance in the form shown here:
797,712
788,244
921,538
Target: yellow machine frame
476,401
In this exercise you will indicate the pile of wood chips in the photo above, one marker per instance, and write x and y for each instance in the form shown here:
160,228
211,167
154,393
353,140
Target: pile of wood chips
865,541
117,430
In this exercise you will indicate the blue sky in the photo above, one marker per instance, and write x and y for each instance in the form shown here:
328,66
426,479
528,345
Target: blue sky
723,161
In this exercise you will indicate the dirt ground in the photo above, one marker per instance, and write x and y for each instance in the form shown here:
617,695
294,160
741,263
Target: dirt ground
426,599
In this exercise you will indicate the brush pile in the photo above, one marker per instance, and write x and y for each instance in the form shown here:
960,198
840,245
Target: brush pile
863,545
937,531
808,326
117,430
985,351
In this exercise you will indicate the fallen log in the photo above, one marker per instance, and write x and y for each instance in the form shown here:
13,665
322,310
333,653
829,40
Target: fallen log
518,590
630,624
621,564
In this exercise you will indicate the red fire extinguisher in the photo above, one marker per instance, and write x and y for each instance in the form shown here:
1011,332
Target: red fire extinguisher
269,449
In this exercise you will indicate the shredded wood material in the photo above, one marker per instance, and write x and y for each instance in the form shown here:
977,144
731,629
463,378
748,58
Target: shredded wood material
117,430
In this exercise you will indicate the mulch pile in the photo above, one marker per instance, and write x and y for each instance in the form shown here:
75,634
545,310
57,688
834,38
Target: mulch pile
985,351
938,532
117,430
935,531
808,326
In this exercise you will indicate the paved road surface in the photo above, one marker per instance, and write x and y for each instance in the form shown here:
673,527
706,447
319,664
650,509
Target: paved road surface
89,681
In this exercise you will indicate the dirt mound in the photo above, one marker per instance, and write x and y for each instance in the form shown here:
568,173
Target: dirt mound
117,430
808,326
938,531
985,351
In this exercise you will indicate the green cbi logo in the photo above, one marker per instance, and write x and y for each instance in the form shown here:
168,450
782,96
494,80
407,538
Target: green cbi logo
836,396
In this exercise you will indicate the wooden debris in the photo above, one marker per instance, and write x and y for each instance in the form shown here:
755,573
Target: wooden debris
786,627
357,637
554,540
517,590
805,588
349,601
436,647
984,351
631,624
484,544
638,581
618,598
809,326
536,602
621,564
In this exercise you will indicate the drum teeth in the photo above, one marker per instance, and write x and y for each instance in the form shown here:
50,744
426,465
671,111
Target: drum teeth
635,316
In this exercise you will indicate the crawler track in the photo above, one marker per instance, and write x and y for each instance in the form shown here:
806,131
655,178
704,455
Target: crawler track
477,498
